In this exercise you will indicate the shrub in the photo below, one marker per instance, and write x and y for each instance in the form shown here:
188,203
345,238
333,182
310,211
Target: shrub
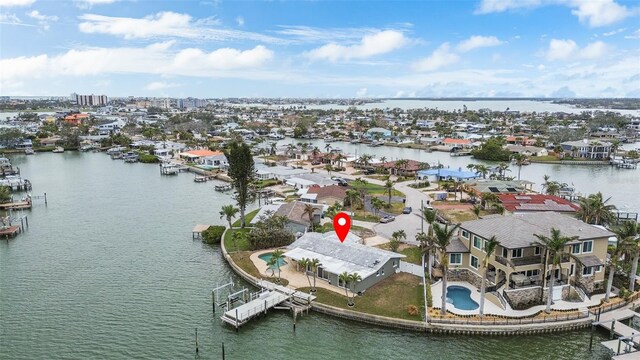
148,158
412,310
213,234
429,296
268,238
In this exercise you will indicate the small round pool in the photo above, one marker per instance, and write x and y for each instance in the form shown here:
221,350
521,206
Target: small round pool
460,297
266,256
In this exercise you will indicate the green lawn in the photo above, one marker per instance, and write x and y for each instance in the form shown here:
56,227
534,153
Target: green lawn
264,183
248,217
369,217
375,189
243,245
391,297
413,255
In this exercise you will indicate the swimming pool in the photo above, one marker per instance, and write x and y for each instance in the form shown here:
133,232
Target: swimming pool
460,297
266,256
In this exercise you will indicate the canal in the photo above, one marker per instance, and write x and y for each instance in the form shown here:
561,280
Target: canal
108,269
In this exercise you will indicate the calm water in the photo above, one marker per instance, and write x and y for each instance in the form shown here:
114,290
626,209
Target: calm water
109,270
622,185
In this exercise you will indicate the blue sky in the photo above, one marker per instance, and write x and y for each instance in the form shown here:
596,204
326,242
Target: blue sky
475,48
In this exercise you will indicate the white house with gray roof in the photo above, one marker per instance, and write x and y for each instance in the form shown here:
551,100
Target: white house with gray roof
372,264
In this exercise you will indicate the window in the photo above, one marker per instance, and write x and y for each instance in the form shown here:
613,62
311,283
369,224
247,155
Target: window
477,242
395,263
465,234
505,252
587,271
473,262
342,284
455,259
530,273
598,268
378,273
382,272
516,253
575,249
536,250
587,246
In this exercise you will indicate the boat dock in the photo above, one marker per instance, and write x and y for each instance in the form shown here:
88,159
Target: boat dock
9,231
271,296
197,231
628,338
18,205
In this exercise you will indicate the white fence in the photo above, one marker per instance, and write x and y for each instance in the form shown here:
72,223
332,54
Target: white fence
411,268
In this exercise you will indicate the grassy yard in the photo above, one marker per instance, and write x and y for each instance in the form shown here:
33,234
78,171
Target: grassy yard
391,297
248,217
458,216
366,216
243,245
413,254
264,183
375,189
395,208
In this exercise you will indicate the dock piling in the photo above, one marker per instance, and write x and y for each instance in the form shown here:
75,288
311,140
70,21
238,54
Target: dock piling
197,350
223,351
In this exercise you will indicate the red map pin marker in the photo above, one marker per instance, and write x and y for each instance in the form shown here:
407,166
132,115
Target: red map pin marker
342,224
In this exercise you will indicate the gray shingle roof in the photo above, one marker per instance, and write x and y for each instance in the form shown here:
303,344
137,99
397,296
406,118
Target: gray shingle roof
590,260
457,246
517,231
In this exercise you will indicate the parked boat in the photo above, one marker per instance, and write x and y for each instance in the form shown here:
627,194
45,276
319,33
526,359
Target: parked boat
225,187
58,150
329,139
87,147
116,155
376,143
29,151
200,179
116,149
169,169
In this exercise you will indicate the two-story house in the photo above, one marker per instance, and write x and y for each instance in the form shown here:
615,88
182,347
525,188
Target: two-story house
587,149
517,267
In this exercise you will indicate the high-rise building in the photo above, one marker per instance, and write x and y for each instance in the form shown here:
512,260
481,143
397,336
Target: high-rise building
89,100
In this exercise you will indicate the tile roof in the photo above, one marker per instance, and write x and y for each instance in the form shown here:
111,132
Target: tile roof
294,212
517,231
536,202
333,191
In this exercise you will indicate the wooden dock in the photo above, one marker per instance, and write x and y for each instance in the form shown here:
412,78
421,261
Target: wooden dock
19,205
627,339
9,231
197,231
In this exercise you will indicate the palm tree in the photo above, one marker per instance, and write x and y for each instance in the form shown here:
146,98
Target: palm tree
309,210
353,278
236,237
489,247
272,148
328,167
376,204
628,233
502,169
487,198
482,170
477,209
442,239
552,188
277,256
229,212
388,187
304,262
520,160
402,164
354,197
430,216
383,159
555,249
338,159
396,238
328,147
595,210
315,152
345,278
314,264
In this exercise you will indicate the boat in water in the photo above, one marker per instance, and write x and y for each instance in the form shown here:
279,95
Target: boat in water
225,187
200,179
29,151
58,150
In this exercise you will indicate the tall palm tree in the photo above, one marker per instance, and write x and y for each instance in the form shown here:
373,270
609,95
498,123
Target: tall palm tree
229,212
502,169
327,147
383,159
552,188
353,279
309,210
555,249
376,204
314,264
520,160
482,170
315,152
329,168
346,278
402,164
477,209
388,187
442,239
339,159
630,232
236,237
304,262
272,148
354,197
489,248
277,256
430,216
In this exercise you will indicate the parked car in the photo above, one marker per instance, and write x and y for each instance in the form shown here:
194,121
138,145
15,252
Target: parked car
341,181
407,210
369,172
386,219
315,162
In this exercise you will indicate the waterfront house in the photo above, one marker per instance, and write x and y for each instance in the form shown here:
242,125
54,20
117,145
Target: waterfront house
518,264
297,220
328,195
527,150
409,169
372,264
524,203
378,133
435,175
485,186
587,149
216,161
197,156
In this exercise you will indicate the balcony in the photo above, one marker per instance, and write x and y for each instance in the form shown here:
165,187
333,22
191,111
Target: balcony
501,260
529,260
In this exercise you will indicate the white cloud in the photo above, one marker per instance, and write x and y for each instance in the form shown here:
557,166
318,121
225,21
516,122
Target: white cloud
9,3
11,19
634,35
593,12
158,58
614,32
541,67
159,85
87,4
440,58
240,21
166,24
374,44
43,20
308,34
361,92
477,41
568,49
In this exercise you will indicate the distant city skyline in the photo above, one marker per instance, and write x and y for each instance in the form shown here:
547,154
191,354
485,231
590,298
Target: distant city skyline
220,49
